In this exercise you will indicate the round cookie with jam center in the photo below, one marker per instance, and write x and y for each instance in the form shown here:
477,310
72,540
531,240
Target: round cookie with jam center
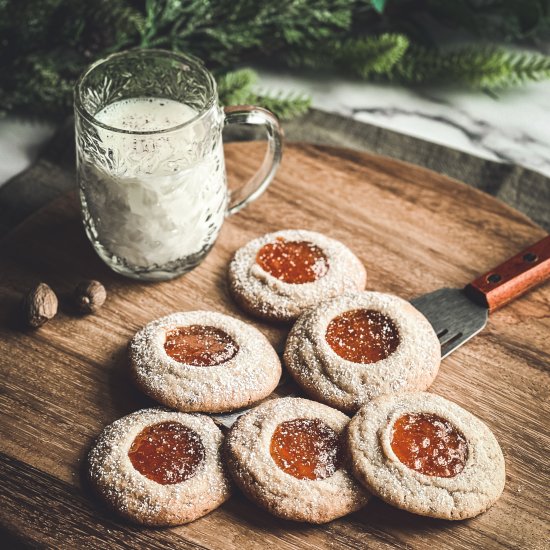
425,454
287,456
350,349
203,361
281,274
158,467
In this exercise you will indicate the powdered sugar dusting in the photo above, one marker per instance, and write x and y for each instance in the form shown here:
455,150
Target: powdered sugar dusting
248,452
294,262
466,494
263,295
167,452
429,444
362,335
306,449
238,382
143,500
325,375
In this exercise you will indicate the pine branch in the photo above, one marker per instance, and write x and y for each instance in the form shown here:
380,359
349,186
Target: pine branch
225,31
237,88
116,24
374,55
285,106
41,84
488,68
357,56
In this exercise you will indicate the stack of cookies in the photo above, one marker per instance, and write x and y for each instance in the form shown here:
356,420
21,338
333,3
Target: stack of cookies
352,352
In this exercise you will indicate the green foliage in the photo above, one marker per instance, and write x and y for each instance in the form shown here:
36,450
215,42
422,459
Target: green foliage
375,55
365,57
488,68
235,87
357,56
238,88
47,43
223,31
285,106
39,80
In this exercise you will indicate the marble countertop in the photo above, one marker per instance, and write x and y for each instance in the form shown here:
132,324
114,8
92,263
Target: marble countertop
515,127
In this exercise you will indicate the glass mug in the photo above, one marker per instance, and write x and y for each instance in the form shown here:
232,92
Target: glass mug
150,163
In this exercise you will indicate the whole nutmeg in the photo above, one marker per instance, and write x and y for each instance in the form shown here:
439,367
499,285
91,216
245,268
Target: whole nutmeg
39,305
89,296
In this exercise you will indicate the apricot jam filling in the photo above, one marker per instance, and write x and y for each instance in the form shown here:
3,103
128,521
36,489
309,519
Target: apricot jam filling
167,453
362,336
429,444
200,346
306,449
294,262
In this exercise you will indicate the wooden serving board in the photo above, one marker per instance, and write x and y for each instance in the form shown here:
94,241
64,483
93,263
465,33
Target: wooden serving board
415,231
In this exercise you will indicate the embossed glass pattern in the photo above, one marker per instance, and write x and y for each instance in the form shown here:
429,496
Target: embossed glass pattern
150,161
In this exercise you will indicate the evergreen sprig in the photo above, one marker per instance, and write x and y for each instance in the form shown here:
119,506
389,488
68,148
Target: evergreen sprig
362,57
238,88
47,43
373,56
488,68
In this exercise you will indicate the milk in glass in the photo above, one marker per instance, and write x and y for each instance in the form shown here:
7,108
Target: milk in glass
156,198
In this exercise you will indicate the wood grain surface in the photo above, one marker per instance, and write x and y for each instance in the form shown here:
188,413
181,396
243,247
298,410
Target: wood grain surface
415,230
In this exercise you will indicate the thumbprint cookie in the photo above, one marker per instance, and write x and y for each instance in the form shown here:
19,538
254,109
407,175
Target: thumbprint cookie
281,274
425,454
203,361
350,349
287,455
158,467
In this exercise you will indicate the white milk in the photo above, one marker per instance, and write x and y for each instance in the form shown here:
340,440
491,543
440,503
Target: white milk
155,199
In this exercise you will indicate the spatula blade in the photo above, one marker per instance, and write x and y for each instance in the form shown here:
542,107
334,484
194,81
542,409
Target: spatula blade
454,317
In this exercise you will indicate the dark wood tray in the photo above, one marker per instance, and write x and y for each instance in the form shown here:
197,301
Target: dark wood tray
415,230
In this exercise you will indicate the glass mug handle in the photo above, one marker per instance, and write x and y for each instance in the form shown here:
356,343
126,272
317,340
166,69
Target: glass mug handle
253,188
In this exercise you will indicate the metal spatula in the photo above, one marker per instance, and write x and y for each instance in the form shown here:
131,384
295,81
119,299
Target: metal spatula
458,314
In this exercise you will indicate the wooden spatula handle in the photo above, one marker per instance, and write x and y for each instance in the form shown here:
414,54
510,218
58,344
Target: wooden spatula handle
515,276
